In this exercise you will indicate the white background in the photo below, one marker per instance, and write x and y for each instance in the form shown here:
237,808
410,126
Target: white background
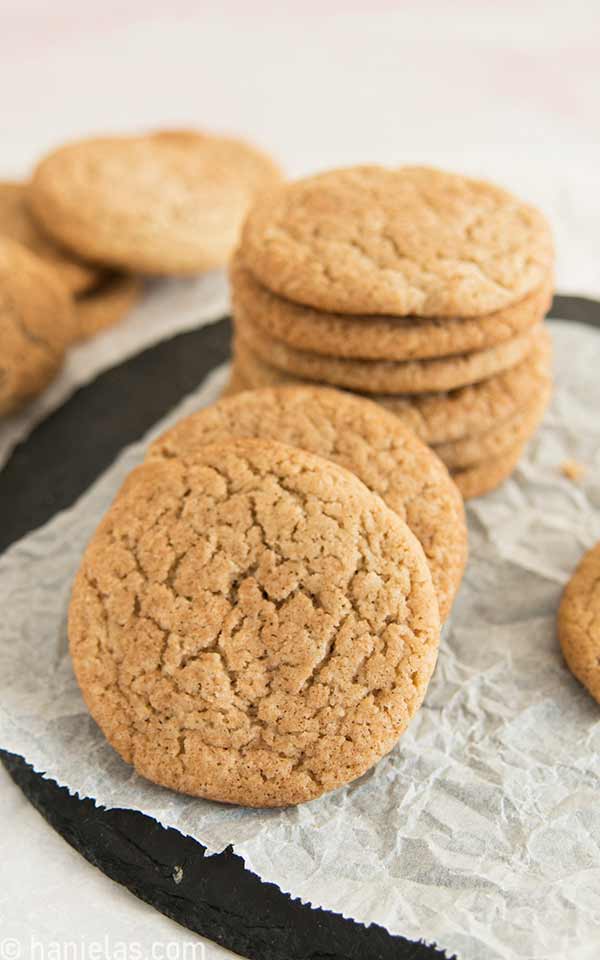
509,90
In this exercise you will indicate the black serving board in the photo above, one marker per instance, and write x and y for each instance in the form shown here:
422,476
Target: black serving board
214,896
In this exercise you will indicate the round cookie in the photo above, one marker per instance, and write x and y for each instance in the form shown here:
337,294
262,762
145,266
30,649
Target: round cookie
374,338
484,477
491,445
107,304
436,417
169,203
579,622
357,435
407,241
36,325
388,376
252,625
16,223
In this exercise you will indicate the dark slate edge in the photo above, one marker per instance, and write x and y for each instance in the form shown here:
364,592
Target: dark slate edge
216,896
57,463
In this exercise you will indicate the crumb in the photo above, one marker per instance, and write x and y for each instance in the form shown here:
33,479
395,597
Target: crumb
573,470
177,874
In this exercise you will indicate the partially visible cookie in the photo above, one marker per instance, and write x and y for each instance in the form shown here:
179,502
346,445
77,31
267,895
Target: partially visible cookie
579,622
436,417
168,203
36,324
383,376
357,435
482,478
16,223
252,625
376,337
406,241
106,304
502,438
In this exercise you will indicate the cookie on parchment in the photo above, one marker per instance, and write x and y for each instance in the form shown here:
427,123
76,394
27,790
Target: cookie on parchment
252,625
357,435
435,417
388,376
579,622
168,203
406,241
36,324
106,304
16,223
481,478
377,337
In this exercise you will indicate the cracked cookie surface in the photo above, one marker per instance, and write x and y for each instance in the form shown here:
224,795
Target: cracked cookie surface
412,240
579,622
251,624
36,325
435,417
377,337
357,435
165,203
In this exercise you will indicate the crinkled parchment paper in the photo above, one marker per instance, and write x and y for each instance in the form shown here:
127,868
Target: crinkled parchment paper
166,308
481,830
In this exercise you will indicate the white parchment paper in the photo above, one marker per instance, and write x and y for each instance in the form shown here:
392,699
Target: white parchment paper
167,307
481,830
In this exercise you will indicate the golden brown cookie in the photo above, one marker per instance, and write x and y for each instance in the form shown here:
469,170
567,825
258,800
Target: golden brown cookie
409,241
579,622
484,477
169,203
357,435
375,338
502,438
106,304
388,376
16,223
252,625
436,417
36,324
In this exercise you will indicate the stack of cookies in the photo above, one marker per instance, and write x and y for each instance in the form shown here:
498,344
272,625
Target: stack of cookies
256,619
99,213
422,289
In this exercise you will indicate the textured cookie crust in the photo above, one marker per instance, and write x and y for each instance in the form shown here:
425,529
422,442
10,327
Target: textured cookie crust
408,241
435,417
106,304
252,624
36,324
579,622
388,376
169,203
500,440
375,338
484,477
16,223
357,435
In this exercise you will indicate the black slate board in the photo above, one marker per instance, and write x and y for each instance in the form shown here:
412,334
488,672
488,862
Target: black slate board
214,896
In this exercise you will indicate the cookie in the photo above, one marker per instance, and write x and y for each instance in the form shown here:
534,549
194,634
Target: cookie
408,241
106,304
579,622
491,445
169,203
252,625
16,223
436,417
36,325
375,338
484,477
357,435
388,376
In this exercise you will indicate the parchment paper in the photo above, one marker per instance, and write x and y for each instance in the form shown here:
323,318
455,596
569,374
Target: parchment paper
166,308
481,830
